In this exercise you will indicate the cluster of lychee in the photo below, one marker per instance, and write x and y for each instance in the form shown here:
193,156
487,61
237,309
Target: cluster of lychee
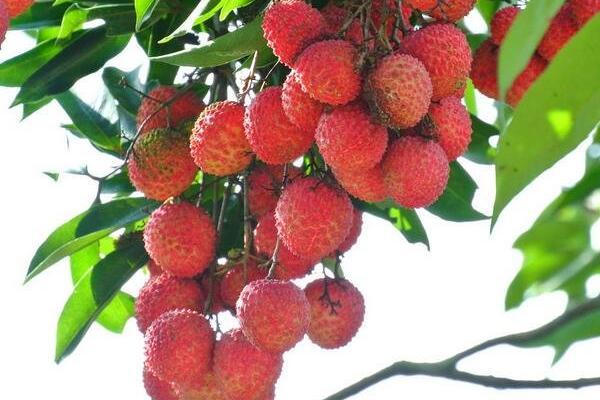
10,9
572,16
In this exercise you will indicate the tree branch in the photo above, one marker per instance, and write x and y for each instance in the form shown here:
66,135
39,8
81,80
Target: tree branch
448,368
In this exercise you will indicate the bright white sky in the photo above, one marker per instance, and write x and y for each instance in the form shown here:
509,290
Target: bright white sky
421,306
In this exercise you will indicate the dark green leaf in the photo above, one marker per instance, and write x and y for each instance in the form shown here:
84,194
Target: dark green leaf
39,15
480,150
201,13
52,175
93,224
93,292
118,184
232,233
143,11
126,97
30,108
119,18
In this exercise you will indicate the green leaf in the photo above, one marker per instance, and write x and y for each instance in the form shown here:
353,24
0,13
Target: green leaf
118,184
522,39
160,72
30,108
81,57
127,98
201,13
232,232
93,292
39,15
98,130
487,9
86,228
119,18
480,150
405,220
73,20
230,5
143,11
229,47
589,183
52,175
455,202
556,114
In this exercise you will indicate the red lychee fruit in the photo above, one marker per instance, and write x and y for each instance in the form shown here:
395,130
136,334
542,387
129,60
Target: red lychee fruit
290,26
450,125
336,17
422,5
243,370
235,279
273,138
181,238
313,218
4,21
289,266
273,314
218,143
534,69
328,72
379,8
208,389
349,140
264,186
337,310
502,22
179,347
452,10
185,107
164,293
584,10
160,165
562,28
444,51
301,109
366,185
154,269
354,233
17,7
415,171
484,72
156,388
399,90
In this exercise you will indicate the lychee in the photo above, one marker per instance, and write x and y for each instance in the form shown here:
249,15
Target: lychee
415,171
156,388
450,124
218,143
160,165
336,17
444,51
534,69
264,186
236,278
354,233
163,293
179,347
216,305
243,370
4,21
452,10
313,218
154,268
337,310
273,314
181,238
562,28
208,389
399,90
386,11
349,140
484,72
291,25
289,266
584,10
328,71
301,109
186,106
273,138
501,23
17,7
366,185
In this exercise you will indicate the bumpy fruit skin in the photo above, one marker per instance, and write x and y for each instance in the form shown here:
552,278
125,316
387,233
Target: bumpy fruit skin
179,347
328,72
444,51
313,218
181,238
289,266
264,184
244,371
399,90
366,185
164,293
218,143
452,10
217,304
415,171
186,107
156,388
4,21
273,314
349,140
154,268
17,7
291,25
377,11
584,10
485,67
502,22
208,389
301,109
451,126
534,69
272,136
335,17
160,165
354,233
422,5
562,28
234,281
337,311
